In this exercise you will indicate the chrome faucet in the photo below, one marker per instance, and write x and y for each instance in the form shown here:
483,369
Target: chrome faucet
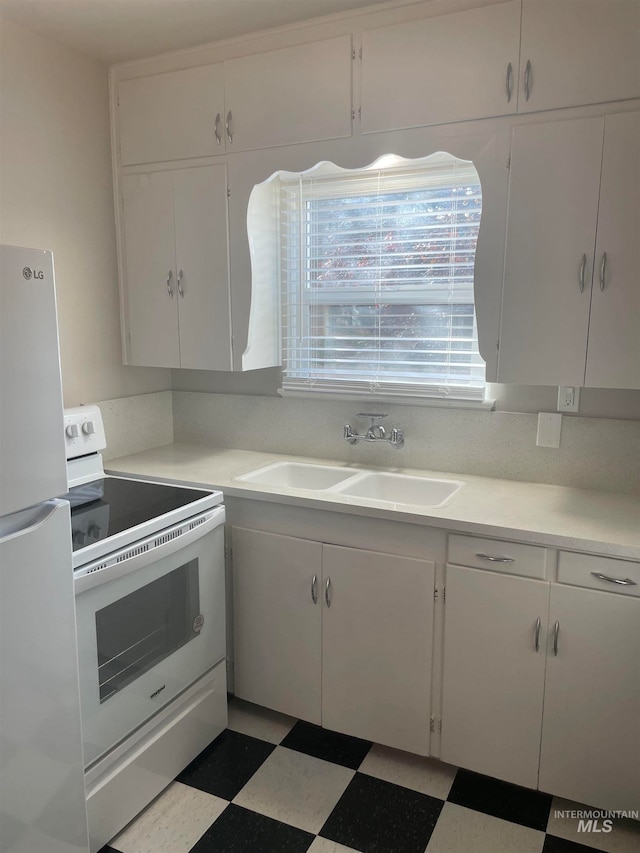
375,432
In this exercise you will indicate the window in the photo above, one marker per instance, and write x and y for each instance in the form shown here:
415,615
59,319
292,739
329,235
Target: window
377,273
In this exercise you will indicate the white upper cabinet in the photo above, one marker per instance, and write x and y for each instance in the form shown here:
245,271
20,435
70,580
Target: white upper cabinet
551,235
571,304
172,116
176,288
441,69
613,353
282,97
578,52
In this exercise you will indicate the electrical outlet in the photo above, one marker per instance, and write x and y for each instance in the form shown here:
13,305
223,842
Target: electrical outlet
568,398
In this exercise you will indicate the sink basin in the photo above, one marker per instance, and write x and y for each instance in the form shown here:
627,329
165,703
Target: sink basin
297,475
400,489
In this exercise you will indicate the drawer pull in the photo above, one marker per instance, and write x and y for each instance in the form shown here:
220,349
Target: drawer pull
536,633
495,559
556,637
620,581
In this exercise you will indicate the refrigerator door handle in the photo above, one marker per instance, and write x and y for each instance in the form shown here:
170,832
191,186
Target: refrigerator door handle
10,527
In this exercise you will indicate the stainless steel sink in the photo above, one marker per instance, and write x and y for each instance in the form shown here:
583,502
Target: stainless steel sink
400,489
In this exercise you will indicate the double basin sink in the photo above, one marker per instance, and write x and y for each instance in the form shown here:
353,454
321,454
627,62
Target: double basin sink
382,487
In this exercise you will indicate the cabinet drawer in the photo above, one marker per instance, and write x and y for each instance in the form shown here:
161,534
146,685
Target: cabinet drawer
607,573
529,561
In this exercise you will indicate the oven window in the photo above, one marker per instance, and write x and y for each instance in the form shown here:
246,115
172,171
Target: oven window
138,631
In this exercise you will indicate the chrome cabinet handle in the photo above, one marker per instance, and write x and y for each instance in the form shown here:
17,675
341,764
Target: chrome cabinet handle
536,633
216,130
603,271
509,82
228,126
620,581
180,287
327,592
495,559
169,288
583,267
314,589
527,80
556,636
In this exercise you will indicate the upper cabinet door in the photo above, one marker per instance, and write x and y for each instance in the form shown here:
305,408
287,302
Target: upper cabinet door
551,234
613,354
578,52
441,69
202,267
149,258
172,116
296,94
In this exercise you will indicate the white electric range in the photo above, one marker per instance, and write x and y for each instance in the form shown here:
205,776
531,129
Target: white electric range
149,581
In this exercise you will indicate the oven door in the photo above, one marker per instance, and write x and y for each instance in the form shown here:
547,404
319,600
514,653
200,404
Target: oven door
151,621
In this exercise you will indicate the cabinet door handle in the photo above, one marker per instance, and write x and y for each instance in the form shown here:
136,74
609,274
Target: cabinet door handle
216,130
314,589
620,581
180,287
603,271
169,279
327,592
495,559
536,633
527,80
509,82
581,274
556,637
228,126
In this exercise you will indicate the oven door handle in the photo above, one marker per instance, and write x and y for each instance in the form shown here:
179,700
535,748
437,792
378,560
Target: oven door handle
145,551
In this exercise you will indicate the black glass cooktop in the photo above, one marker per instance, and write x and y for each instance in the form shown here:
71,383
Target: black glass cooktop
107,507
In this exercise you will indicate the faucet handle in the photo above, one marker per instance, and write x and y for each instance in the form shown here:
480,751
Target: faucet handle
375,416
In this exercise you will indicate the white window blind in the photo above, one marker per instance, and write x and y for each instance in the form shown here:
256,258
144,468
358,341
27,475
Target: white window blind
377,274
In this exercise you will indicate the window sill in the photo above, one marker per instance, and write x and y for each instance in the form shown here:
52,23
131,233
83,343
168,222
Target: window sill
399,399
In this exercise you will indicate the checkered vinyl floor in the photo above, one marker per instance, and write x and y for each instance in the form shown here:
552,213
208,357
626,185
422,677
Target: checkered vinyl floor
270,784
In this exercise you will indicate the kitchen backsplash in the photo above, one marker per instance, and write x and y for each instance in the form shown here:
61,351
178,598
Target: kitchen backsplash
594,453
137,423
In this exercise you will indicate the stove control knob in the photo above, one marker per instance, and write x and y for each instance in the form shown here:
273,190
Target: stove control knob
71,431
88,428
78,537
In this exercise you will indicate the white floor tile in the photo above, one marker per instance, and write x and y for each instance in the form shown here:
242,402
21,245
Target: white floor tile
461,830
623,838
323,845
258,722
425,775
295,788
172,823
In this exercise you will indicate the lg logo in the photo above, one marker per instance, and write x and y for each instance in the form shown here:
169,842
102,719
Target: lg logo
28,273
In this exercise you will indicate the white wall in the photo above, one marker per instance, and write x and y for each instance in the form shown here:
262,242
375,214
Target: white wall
56,193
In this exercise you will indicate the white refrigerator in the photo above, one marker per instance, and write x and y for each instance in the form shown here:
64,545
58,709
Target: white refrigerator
42,801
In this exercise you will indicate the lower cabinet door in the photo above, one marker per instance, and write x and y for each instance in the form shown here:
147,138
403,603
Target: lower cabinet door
494,665
277,624
591,728
377,646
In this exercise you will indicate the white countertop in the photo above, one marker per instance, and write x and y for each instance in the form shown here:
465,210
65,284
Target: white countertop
599,522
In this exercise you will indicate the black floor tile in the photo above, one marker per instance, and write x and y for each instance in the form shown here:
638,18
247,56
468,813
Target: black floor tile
330,746
501,799
552,844
107,849
377,817
227,764
239,830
